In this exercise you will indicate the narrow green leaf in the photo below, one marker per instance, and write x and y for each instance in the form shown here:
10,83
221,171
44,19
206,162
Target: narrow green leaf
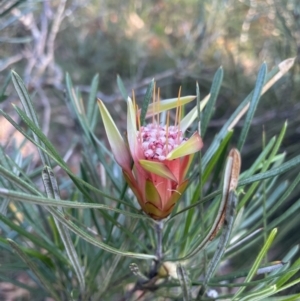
33,253
184,283
115,262
84,235
171,103
17,283
75,105
3,182
252,218
37,240
260,295
9,8
231,165
3,96
192,115
288,298
216,157
29,109
291,254
117,144
17,180
253,105
242,240
31,189
257,262
223,280
271,77
92,101
290,284
74,228
290,188
52,191
121,87
190,219
146,101
224,238
40,200
64,220
50,183
48,285
284,216
52,153
257,165
214,91
266,165
272,172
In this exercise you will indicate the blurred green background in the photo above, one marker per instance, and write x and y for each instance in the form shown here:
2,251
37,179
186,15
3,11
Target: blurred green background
175,42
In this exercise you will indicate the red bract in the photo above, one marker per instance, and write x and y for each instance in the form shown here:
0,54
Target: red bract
161,156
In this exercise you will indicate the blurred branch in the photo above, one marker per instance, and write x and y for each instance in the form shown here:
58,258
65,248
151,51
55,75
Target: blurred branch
140,87
59,15
40,54
289,113
7,6
11,60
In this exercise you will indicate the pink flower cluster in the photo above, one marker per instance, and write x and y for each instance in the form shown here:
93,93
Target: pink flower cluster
157,141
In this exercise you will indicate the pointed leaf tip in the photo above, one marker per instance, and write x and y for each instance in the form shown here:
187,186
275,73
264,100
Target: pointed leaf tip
168,104
191,146
157,168
131,126
117,144
193,114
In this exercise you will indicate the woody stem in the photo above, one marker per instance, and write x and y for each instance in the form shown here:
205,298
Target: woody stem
159,251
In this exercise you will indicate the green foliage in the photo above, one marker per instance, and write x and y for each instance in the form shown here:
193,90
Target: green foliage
70,222
91,238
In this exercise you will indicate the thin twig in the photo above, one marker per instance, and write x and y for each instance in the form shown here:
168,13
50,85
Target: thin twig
59,14
13,59
159,250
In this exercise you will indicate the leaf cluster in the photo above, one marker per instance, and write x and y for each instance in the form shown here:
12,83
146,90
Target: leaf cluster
81,248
